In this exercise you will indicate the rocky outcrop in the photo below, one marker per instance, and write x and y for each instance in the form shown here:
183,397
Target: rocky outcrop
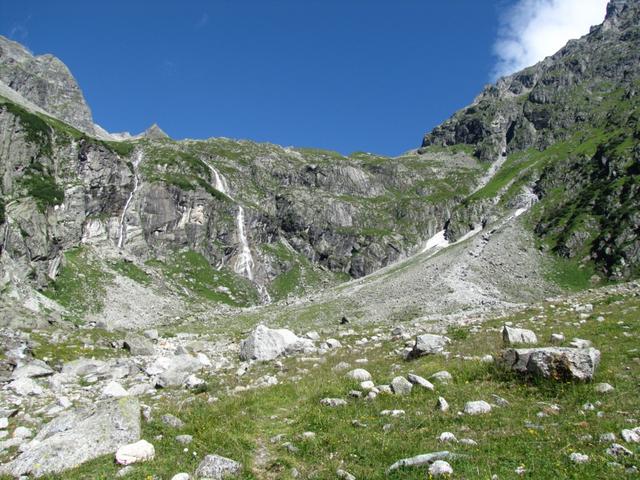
78,436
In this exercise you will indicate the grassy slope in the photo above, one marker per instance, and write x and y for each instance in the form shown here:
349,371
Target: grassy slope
239,425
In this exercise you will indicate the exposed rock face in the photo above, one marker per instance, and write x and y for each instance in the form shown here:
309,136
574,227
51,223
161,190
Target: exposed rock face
554,362
266,344
45,81
78,436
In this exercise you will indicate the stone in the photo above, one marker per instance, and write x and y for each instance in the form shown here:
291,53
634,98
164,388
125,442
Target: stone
77,436
428,344
174,371
557,338
264,344
617,450
631,436
442,376
332,343
82,367
479,407
421,382
138,345
140,451
392,413
401,386
367,385
26,386
603,388
33,369
333,402
580,343
576,457
22,433
181,476
124,471
114,390
184,439
447,437
4,423
215,467
419,460
172,421
440,468
512,336
359,375
151,334
442,405
344,475
557,363
607,437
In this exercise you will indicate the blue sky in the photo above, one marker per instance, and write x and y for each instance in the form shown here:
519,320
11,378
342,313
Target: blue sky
347,75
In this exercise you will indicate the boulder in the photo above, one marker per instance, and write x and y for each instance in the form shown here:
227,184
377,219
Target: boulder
138,345
173,371
557,363
264,344
25,386
78,436
512,336
215,467
427,344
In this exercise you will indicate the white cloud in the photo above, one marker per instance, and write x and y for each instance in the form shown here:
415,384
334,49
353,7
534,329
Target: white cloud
531,30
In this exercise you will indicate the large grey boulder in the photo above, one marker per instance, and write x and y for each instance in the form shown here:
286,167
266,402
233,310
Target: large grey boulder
34,369
264,344
78,436
215,467
427,344
138,345
557,363
512,336
173,371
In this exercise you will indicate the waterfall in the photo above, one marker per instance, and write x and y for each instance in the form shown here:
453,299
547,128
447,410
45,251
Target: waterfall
136,184
244,261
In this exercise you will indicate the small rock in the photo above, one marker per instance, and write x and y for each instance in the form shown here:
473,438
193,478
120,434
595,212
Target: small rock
172,421
401,386
469,442
22,433
25,386
392,413
499,401
576,457
447,437
422,382
333,402
215,467
631,436
359,375
181,476
123,472
512,336
140,451
138,345
114,390
557,338
367,385
332,343
344,475
442,376
603,388
607,437
4,423
442,405
440,468
428,344
617,450
479,407
580,343
184,439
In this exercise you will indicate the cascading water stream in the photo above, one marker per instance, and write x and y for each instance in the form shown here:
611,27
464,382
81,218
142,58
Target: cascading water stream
122,234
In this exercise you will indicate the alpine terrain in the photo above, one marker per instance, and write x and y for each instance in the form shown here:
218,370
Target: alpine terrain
222,308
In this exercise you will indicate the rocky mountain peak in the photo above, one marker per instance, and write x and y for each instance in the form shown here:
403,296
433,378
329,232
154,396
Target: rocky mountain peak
47,82
616,8
154,132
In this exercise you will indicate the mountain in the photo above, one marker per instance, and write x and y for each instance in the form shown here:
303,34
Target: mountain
270,223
